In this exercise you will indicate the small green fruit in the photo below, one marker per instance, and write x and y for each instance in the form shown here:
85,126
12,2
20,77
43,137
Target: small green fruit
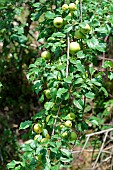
62,126
54,108
65,135
79,35
47,136
68,123
39,157
72,7
43,140
58,22
46,55
36,137
86,29
37,128
47,94
71,116
74,47
73,136
65,7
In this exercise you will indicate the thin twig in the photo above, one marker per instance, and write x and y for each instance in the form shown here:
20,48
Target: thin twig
89,150
54,125
67,66
101,149
80,10
109,59
1,157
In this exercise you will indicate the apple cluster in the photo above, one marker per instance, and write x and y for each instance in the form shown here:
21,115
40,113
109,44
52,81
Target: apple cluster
80,33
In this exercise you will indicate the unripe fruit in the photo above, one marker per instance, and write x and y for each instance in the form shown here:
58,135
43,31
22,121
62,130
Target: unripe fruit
65,135
47,136
79,35
65,7
43,140
58,22
47,94
46,55
72,7
71,116
73,136
36,137
68,123
62,126
37,128
74,47
85,29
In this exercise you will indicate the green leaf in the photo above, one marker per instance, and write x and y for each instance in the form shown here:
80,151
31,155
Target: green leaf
78,81
95,81
25,124
48,105
101,47
90,95
68,79
58,34
66,152
92,43
13,163
54,150
108,64
110,75
80,55
79,104
104,90
79,66
49,15
91,70
68,28
95,122
104,30
62,159
56,167
61,91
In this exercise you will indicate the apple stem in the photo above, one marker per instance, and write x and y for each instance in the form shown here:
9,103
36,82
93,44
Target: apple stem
67,66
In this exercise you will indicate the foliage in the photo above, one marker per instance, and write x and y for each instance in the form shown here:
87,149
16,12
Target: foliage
65,81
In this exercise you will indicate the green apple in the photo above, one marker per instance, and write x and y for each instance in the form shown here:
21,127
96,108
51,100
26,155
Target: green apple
72,7
62,126
37,128
73,136
47,118
86,29
68,123
47,94
54,108
71,116
39,157
65,7
36,137
43,140
47,136
46,55
74,47
58,22
79,34
64,134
